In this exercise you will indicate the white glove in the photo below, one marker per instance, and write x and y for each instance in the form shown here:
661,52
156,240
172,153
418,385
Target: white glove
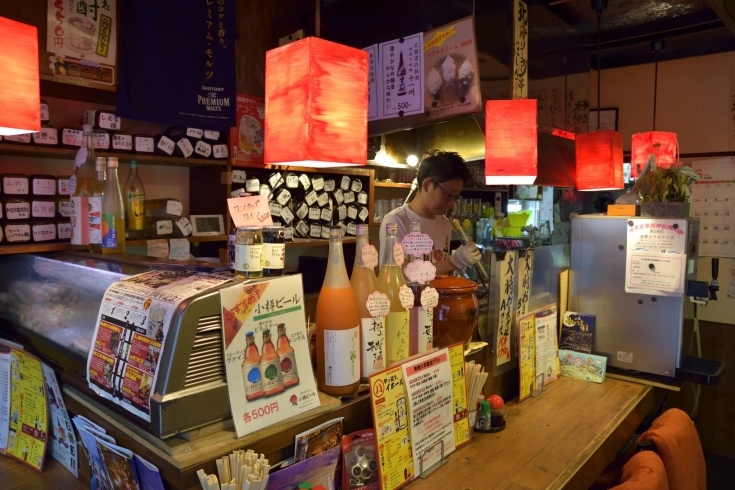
466,255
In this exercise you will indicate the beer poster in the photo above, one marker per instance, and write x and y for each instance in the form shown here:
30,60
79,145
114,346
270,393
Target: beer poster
269,374
247,138
81,39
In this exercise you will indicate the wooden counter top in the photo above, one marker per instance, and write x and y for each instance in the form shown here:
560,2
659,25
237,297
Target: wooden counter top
564,438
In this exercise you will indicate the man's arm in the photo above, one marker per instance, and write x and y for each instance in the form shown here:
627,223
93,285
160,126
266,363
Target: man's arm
444,266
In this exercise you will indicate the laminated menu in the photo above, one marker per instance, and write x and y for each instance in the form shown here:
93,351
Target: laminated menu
269,374
131,331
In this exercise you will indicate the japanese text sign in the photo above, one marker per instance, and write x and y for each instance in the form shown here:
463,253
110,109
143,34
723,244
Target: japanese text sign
250,211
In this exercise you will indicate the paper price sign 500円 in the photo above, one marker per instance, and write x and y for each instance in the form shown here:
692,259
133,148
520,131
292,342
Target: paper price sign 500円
269,376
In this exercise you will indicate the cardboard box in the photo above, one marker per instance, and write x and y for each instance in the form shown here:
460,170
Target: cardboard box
623,210
246,139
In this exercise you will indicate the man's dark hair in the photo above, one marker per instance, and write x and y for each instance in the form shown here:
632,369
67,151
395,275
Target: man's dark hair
442,166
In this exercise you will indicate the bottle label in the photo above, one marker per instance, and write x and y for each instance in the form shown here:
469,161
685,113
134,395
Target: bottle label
101,141
373,353
283,197
349,197
292,181
341,356
231,249
352,212
64,231
289,371
310,198
44,233
249,258
314,213
95,220
286,215
43,209
325,232
270,373
252,185
302,211
326,214
109,230
203,148
253,379
363,214
425,337
342,212
17,210
144,144
356,185
396,336
166,145
329,185
274,255
184,226
136,211
79,220
362,198
185,147
122,142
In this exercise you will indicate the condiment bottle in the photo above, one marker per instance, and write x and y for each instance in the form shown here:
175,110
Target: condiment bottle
372,330
113,213
81,187
337,327
289,370
135,203
95,205
390,281
270,367
251,369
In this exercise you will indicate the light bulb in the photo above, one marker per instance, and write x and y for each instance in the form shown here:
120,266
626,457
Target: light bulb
412,160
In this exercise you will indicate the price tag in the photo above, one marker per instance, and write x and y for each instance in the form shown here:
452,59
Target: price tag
420,271
398,254
305,181
429,298
164,227
370,256
174,208
194,133
252,185
238,177
203,148
184,226
211,135
179,249
185,147
44,187
157,248
220,151
250,211
406,296
144,144
166,145
286,215
417,244
80,157
378,304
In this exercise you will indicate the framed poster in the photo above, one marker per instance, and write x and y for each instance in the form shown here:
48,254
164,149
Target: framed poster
608,119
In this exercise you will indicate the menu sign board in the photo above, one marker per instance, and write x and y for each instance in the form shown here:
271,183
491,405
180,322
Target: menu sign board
131,331
401,76
373,78
450,70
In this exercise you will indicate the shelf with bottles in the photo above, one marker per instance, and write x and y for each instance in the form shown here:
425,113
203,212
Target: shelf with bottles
36,151
392,185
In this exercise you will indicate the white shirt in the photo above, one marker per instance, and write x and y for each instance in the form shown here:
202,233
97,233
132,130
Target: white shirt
439,230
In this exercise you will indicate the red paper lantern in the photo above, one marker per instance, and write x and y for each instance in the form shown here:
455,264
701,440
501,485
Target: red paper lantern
662,144
511,147
20,96
316,103
599,161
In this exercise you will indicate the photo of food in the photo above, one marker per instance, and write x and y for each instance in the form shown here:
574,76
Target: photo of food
145,387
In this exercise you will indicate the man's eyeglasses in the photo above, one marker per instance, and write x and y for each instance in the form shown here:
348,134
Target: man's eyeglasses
450,197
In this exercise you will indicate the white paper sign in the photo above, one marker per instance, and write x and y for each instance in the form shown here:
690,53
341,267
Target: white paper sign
398,255
507,275
401,64
373,80
378,304
655,257
179,249
405,294
157,248
184,226
417,244
83,30
420,271
238,177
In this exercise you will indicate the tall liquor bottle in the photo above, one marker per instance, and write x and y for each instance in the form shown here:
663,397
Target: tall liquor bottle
421,326
113,213
372,330
390,281
287,355
337,327
95,206
134,195
251,369
81,188
270,367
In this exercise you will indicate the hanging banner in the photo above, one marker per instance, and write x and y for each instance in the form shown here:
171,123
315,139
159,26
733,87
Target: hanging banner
131,331
525,273
373,80
450,64
507,270
520,50
401,74
81,37
178,65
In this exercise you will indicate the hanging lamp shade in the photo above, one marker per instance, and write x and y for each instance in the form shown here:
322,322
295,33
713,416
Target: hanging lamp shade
20,97
659,143
511,145
316,103
599,161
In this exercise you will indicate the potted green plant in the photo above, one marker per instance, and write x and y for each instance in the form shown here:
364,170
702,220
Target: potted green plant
664,192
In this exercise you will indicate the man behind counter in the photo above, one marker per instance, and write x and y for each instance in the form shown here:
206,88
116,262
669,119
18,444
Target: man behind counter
440,178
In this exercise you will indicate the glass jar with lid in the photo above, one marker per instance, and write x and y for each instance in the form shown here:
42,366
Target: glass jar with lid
249,252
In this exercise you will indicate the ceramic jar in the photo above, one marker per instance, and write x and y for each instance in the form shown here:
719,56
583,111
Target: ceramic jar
456,315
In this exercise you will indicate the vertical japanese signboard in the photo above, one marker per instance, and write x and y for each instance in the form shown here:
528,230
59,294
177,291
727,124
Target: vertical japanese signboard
452,85
81,36
507,270
269,375
520,50
401,76
373,79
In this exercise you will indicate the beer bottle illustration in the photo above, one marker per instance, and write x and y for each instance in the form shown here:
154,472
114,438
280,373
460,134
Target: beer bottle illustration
289,371
270,367
251,369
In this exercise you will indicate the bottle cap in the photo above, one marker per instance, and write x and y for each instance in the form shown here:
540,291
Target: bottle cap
99,164
485,406
391,228
362,230
86,128
111,162
133,163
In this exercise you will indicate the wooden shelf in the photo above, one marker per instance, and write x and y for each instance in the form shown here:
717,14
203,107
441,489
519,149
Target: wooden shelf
391,185
192,239
35,151
347,170
29,248
310,242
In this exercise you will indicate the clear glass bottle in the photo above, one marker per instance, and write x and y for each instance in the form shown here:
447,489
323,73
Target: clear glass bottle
113,213
337,327
390,281
289,370
135,203
81,186
95,206
249,252
372,330
251,369
420,323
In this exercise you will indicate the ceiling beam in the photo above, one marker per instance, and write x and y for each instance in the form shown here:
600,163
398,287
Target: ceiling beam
725,10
